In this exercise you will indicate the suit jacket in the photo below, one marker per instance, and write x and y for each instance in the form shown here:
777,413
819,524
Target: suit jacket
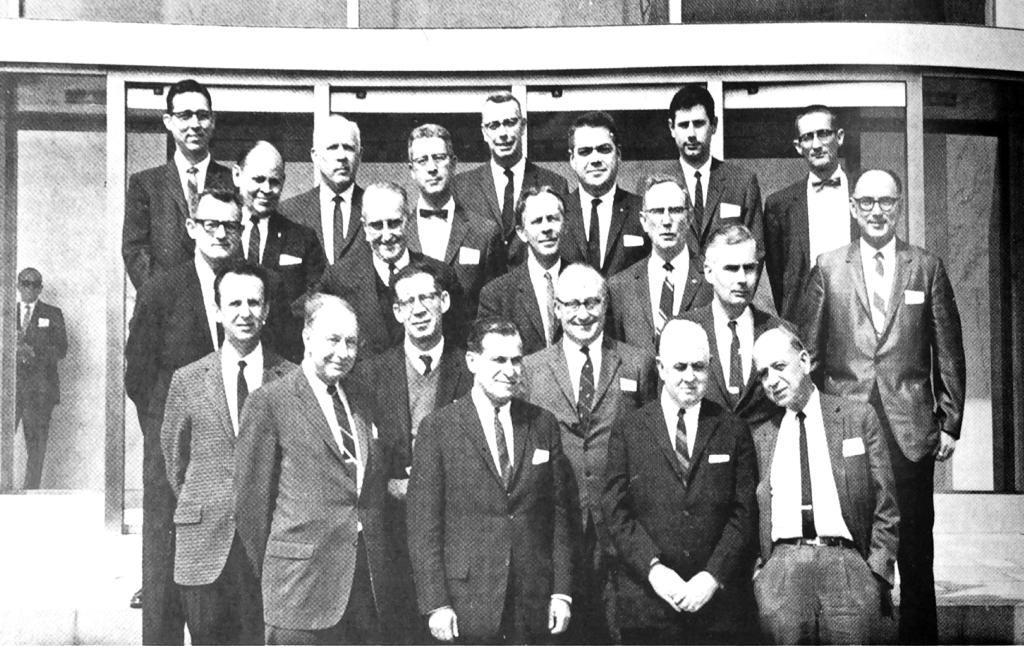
628,380
474,189
297,508
752,404
153,237
467,535
787,245
198,443
864,481
354,278
627,241
304,209
703,523
37,379
630,318
512,296
470,233
917,363
729,184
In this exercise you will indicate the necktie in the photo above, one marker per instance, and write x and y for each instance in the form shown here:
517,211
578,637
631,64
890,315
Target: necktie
499,440
392,268
242,390
193,188
552,320
735,363
427,361
339,225
698,204
585,402
220,334
26,315
347,440
877,300
682,447
820,185
806,496
441,214
667,298
594,240
254,241
508,203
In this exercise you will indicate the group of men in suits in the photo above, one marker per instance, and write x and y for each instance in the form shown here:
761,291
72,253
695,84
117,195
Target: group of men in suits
634,415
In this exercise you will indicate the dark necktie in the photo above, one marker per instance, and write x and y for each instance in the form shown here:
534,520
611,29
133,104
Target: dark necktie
681,447
339,224
26,316
392,269
427,361
241,388
878,300
441,214
193,188
822,184
585,402
806,496
698,204
254,241
499,440
552,319
508,203
667,298
594,240
347,439
220,334
735,363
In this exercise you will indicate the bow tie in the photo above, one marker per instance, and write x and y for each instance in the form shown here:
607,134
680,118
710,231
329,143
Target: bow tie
434,213
832,182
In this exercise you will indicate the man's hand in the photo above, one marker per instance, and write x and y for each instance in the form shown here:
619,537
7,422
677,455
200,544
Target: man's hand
698,591
444,625
667,584
398,488
559,613
947,444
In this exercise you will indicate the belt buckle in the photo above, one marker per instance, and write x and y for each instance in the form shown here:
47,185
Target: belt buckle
816,541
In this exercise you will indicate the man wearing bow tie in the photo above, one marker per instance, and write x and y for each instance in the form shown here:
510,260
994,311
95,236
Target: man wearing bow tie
811,216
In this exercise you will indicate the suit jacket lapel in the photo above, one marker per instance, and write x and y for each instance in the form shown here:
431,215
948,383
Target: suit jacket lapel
832,420
904,269
354,230
765,439
619,212
193,301
412,232
715,185
560,371
610,362
174,194
694,276
799,229
520,435
642,287
574,222
857,267
272,250
447,380
314,415
460,227
477,437
706,427
529,302
762,323
656,425
217,397
490,196
362,430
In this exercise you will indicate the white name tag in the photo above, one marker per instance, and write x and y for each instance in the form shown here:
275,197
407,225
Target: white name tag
627,385
729,210
290,260
913,297
44,322
540,456
853,446
374,432
469,256
717,458
630,240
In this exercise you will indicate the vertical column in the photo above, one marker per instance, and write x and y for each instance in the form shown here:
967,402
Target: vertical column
519,92
114,281
8,275
717,91
675,12
914,190
352,11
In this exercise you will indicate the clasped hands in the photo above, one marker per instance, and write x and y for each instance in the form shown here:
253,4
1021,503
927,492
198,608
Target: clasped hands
683,596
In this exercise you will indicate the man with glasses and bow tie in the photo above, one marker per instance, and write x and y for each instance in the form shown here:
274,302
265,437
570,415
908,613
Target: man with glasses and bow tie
810,216
160,199
882,326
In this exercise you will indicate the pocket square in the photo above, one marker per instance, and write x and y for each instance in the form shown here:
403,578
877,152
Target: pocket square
44,322
469,256
290,260
729,210
853,446
630,240
717,458
627,385
913,297
540,456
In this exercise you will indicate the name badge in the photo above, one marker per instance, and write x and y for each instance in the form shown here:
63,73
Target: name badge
717,458
374,432
913,297
729,210
630,240
540,456
44,322
853,446
469,256
290,260
627,385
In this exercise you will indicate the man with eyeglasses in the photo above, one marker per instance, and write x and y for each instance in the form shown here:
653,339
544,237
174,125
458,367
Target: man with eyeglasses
602,220
590,382
174,324
668,282
493,189
441,227
882,326
161,199
810,216
409,382
365,277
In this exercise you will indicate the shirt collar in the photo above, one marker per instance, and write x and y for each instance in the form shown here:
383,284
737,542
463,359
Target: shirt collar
867,252
571,347
412,352
690,171
669,407
537,272
230,354
203,268
812,178
327,193
679,263
183,164
813,405
518,169
585,197
318,386
483,403
449,206
722,318
382,267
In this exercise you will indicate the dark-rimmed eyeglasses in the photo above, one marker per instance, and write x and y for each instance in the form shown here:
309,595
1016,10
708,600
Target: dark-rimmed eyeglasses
867,204
211,226
824,136
590,303
426,300
204,116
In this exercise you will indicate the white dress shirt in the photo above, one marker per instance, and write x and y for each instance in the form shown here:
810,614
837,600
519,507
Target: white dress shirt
415,355
517,180
723,340
828,215
670,410
690,175
327,408
575,358
264,227
206,278
540,287
327,216
604,215
656,278
434,232
183,165
485,411
875,283
787,497
381,267
253,372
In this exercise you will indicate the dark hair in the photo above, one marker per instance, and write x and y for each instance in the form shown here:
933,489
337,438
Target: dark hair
185,87
251,146
489,325
224,195
415,269
30,275
817,108
690,96
895,178
241,267
596,119
431,131
534,191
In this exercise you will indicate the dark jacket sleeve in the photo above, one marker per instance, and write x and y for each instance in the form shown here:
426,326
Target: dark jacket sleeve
728,558
257,470
634,545
813,324
141,348
425,518
949,366
176,433
565,537
135,232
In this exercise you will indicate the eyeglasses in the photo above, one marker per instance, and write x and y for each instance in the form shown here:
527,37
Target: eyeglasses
440,159
31,283
204,116
508,123
211,226
392,223
660,212
867,204
573,306
823,135
426,300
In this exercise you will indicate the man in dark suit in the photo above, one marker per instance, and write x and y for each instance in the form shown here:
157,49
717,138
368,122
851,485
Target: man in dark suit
602,221
289,251
334,209
828,528
492,190
810,216
220,593
442,228
489,507
160,199
882,327
526,295
42,343
669,281
722,192
364,276
174,324
732,324
679,503
409,382
590,382
310,486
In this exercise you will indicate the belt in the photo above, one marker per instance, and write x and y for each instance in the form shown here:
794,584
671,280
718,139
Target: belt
819,541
